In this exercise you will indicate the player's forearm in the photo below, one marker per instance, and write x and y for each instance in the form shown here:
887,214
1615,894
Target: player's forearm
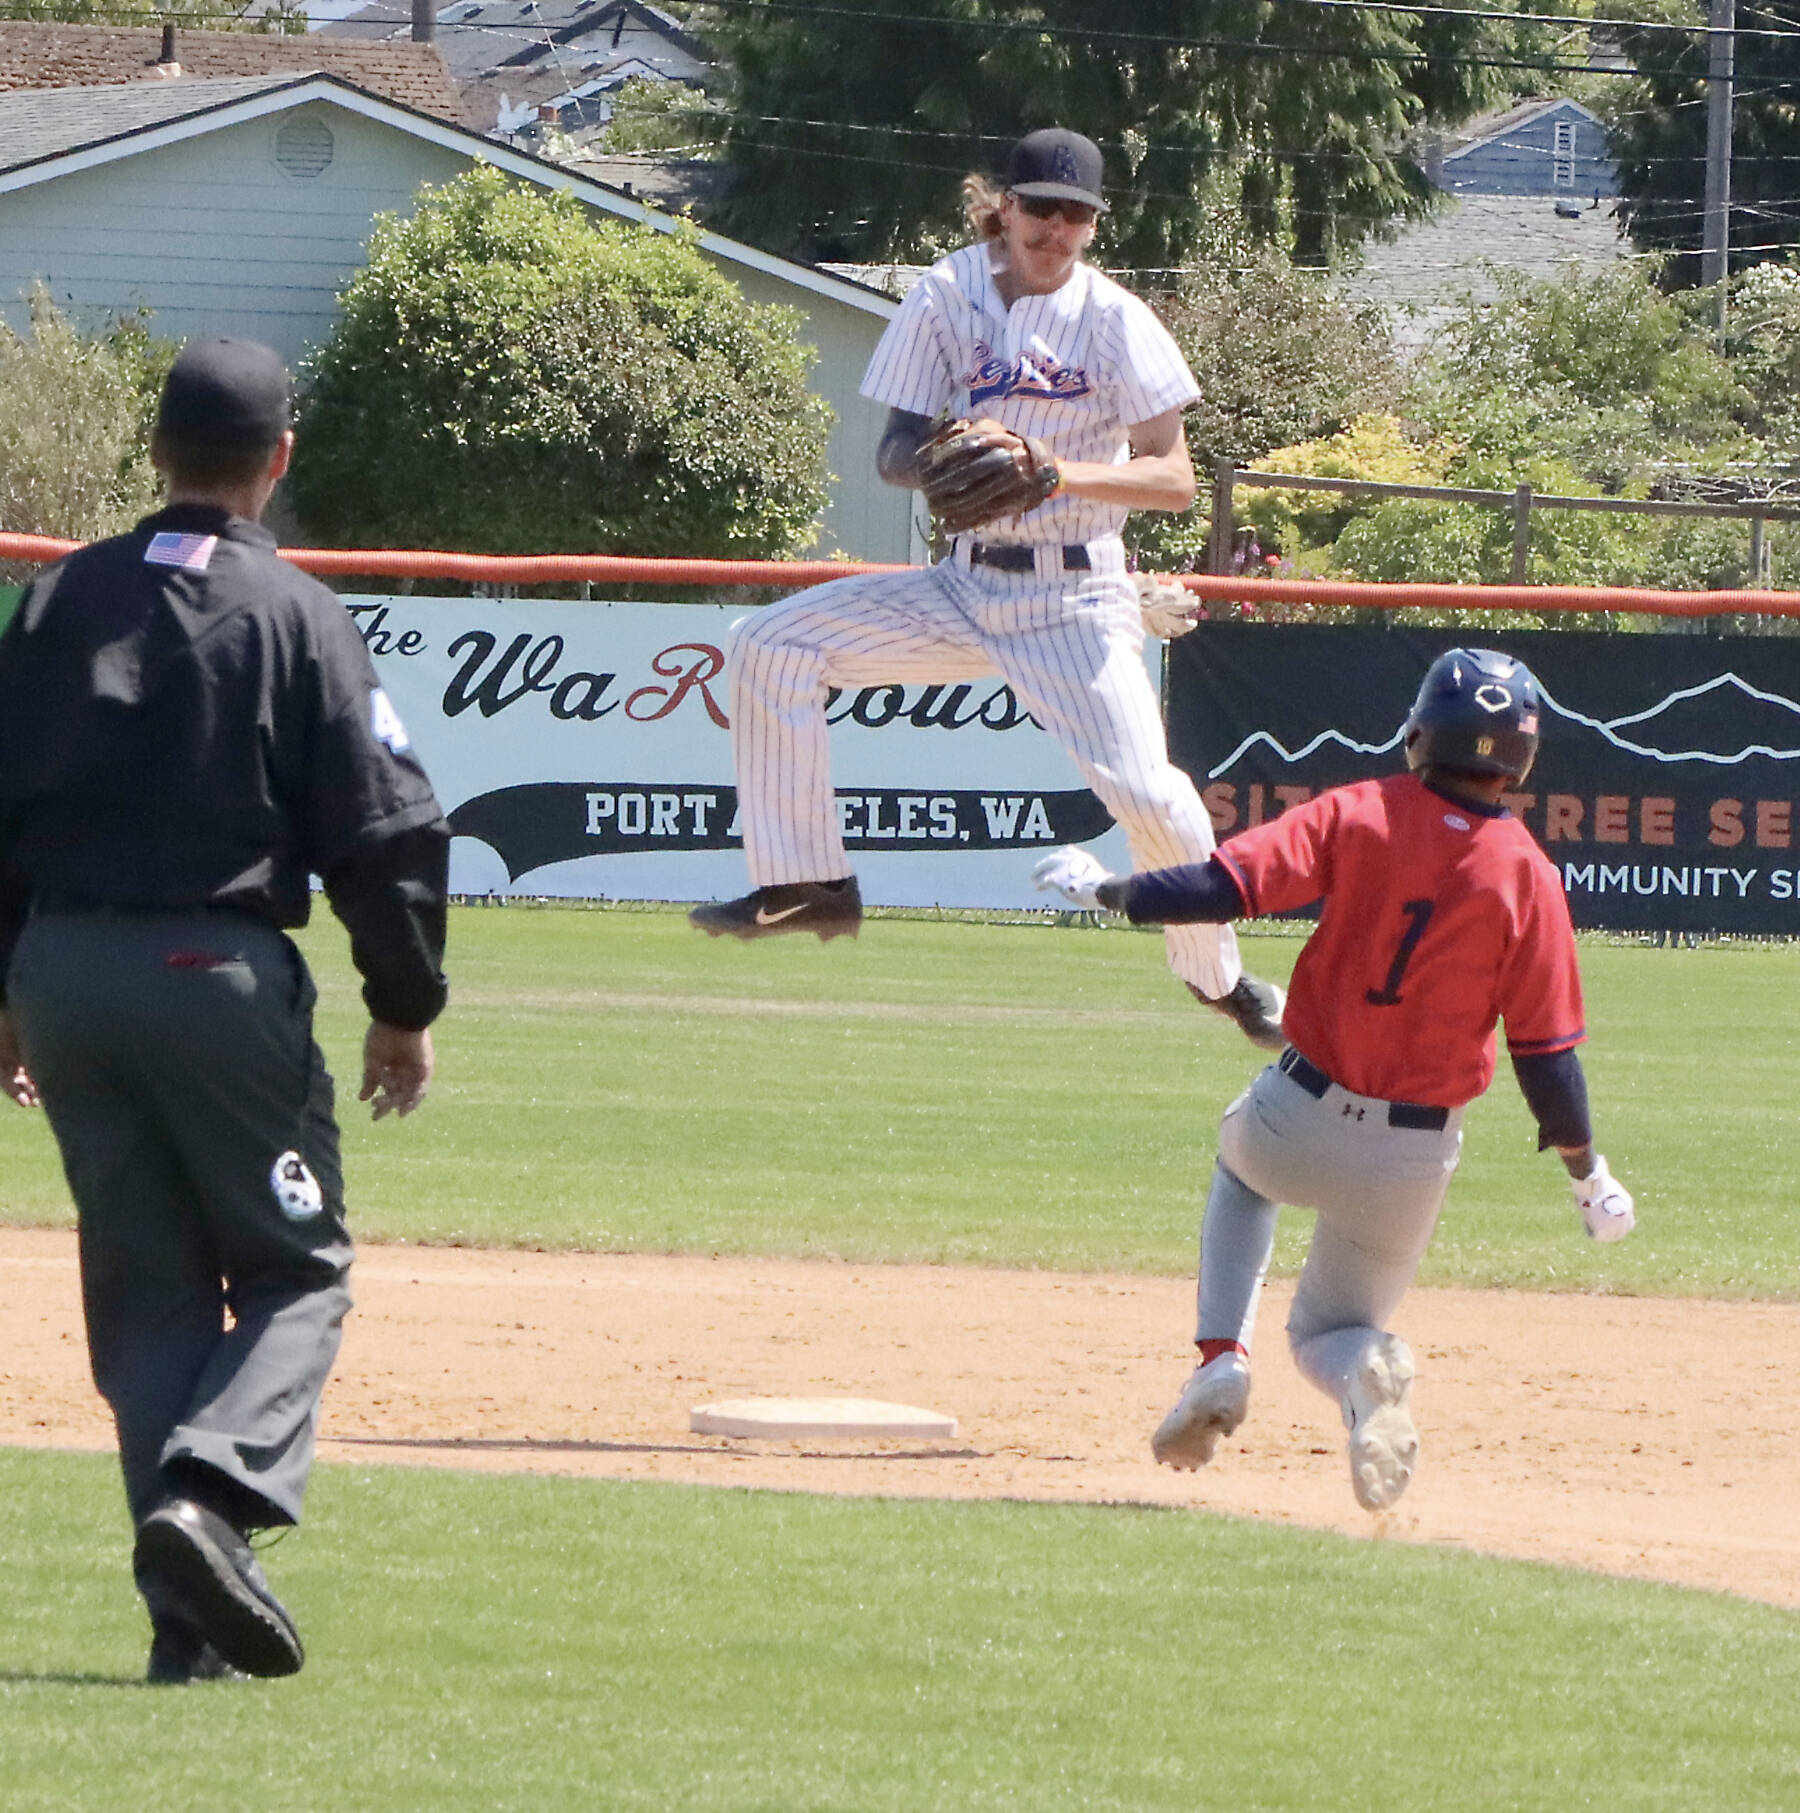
1197,893
1555,1090
1159,481
896,459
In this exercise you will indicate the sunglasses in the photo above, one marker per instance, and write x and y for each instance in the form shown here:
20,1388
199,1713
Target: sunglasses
1047,207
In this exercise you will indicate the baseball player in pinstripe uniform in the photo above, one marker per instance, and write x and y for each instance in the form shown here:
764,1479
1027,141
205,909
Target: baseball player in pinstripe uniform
1439,917
1018,331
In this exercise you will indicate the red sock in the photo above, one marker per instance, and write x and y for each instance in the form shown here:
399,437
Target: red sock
1210,1350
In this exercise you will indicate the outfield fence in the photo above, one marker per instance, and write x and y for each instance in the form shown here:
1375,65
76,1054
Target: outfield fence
1520,502
1207,588
582,748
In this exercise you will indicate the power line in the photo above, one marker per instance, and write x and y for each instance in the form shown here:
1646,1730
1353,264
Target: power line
1648,27
1123,39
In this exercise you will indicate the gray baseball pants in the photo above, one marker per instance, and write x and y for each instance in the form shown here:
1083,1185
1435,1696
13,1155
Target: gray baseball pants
1377,1189
175,1058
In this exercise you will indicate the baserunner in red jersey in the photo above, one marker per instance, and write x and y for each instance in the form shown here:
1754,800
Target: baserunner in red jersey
1439,916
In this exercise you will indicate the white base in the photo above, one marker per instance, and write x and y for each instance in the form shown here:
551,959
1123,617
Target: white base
774,1419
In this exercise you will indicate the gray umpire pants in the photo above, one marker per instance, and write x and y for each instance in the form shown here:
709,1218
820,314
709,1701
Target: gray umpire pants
175,1059
1377,1189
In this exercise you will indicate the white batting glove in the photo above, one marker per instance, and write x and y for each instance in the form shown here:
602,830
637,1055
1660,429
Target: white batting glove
1073,874
1167,608
1606,1207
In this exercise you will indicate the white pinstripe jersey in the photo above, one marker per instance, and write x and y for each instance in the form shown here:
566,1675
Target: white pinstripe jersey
1077,369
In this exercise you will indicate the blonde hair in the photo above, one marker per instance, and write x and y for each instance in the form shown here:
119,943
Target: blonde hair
981,208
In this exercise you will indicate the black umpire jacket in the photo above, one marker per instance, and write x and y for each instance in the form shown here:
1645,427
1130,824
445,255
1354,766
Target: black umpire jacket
188,721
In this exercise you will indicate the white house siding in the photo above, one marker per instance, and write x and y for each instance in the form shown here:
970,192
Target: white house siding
867,519
211,236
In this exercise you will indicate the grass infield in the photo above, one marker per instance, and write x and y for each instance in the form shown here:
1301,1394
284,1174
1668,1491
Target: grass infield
996,1094
493,1644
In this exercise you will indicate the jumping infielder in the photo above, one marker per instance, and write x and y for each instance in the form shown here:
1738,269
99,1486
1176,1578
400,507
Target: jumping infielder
1439,917
1075,390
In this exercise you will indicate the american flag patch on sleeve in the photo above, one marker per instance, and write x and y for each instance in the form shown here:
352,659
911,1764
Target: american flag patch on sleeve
192,553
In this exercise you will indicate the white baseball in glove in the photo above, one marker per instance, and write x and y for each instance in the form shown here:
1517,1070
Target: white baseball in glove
1607,1211
1073,874
1168,608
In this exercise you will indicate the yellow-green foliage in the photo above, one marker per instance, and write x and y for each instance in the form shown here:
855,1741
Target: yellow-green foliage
1372,447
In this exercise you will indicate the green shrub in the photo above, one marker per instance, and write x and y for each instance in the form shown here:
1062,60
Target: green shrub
511,376
75,415
1278,361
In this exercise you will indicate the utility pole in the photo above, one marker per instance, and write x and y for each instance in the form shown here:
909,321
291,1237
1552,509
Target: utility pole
1715,261
424,21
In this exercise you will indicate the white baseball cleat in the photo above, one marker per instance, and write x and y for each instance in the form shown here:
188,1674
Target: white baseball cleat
1384,1441
1215,1400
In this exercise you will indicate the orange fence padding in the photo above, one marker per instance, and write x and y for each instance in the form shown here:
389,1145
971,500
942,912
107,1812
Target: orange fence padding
625,569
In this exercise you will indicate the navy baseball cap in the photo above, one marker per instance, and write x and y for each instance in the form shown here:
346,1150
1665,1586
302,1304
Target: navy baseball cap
226,393
1058,164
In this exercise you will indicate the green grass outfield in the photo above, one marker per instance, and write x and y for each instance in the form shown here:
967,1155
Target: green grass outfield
486,1643
1015,1095
979,1093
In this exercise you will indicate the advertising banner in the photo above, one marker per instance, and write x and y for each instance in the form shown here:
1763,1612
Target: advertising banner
1665,791
584,749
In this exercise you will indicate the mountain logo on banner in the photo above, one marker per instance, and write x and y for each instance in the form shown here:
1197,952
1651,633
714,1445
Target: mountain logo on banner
1769,715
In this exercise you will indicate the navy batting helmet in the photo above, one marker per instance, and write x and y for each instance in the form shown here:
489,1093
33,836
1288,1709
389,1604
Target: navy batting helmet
1476,712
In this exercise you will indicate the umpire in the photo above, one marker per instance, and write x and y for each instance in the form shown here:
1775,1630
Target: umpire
189,729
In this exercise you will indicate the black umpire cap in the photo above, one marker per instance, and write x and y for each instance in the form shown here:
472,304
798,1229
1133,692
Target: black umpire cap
1058,164
226,393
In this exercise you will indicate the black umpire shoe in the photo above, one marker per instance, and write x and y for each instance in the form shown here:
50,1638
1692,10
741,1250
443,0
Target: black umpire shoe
1254,1006
179,1656
833,909
188,1557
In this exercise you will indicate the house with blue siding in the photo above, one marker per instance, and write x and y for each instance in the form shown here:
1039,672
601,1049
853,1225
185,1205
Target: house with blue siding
1555,148
1531,189
244,205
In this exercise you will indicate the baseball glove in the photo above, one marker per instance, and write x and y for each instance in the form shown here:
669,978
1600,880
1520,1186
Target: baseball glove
978,472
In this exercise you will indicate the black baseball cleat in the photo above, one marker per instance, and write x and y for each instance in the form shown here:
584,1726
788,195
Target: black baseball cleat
179,1656
833,909
1254,1006
190,1559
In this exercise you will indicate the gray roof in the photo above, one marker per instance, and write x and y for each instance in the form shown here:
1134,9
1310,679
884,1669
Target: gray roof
890,279
1430,264
477,37
39,123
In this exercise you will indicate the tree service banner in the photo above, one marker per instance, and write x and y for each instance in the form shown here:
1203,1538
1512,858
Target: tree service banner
584,749
1664,791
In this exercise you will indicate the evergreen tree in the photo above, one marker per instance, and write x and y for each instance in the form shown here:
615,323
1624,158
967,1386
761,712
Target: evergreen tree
1658,136
851,126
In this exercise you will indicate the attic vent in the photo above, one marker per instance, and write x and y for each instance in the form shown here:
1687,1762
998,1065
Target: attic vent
1562,168
304,146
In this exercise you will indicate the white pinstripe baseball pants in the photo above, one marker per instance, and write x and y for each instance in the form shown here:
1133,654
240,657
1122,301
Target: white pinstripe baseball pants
1070,645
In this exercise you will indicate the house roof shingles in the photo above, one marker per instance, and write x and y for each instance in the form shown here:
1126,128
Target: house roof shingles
36,123
34,55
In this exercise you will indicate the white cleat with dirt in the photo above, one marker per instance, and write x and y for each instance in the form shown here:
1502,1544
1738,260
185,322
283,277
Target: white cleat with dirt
1216,1399
1384,1440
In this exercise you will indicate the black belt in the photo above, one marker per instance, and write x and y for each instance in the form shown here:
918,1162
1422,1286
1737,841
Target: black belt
1021,557
1415,1116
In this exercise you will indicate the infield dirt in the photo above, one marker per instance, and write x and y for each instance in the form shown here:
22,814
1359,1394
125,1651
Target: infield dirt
1647,1437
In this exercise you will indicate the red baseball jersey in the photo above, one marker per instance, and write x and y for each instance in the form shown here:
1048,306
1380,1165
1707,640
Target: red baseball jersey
1438,919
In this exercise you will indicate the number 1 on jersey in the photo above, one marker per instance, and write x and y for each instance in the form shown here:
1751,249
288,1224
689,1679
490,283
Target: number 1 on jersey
1418,914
